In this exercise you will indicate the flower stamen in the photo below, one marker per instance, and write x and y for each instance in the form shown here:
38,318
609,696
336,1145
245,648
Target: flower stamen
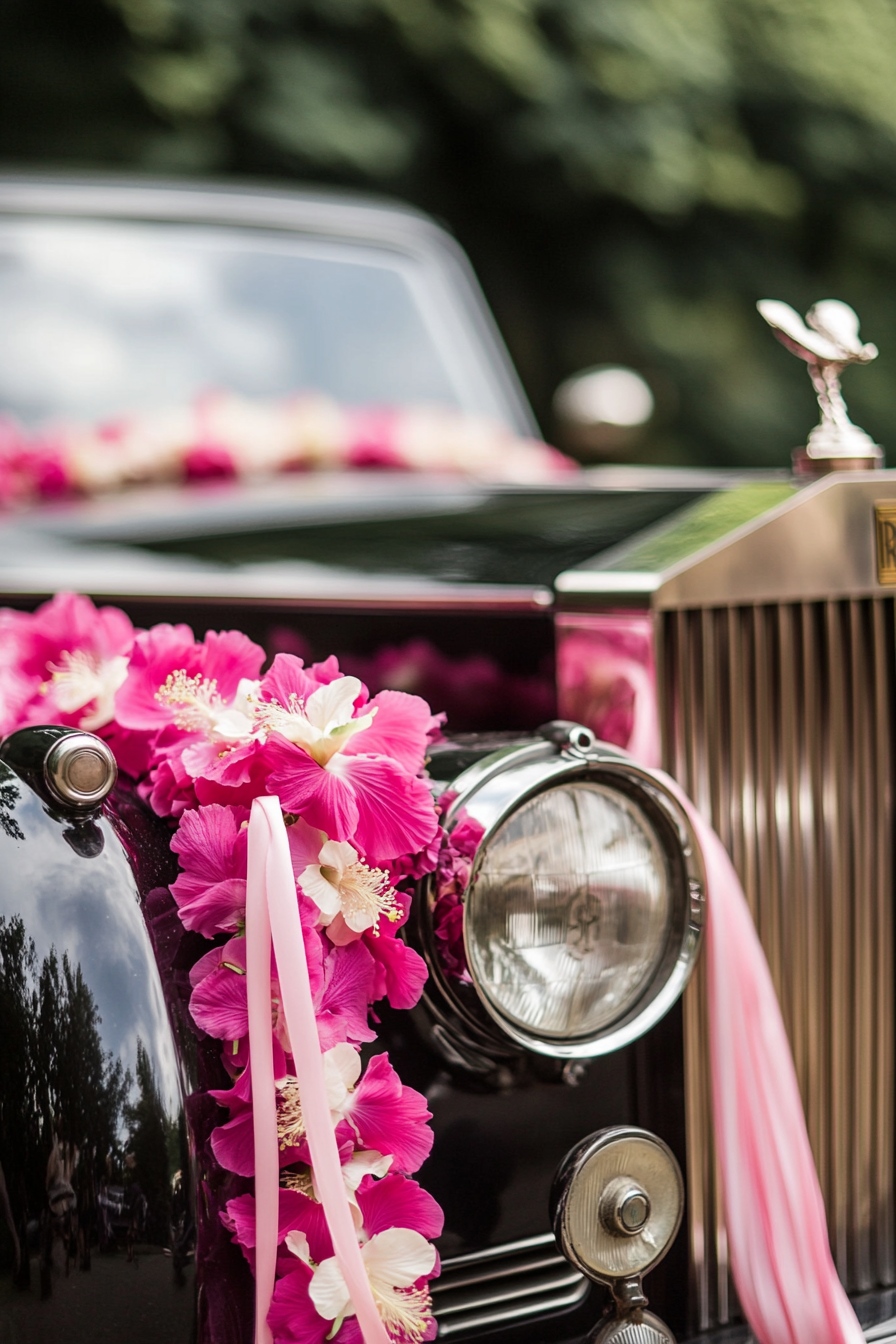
404,1311
290,1121
364,892
195,700
298,1179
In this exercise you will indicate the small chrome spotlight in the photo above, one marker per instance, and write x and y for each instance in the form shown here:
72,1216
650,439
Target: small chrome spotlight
80,770
616,1205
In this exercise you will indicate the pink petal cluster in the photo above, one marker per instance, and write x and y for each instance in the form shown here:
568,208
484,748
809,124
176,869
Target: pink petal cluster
203,732
454,867
63,663
222,435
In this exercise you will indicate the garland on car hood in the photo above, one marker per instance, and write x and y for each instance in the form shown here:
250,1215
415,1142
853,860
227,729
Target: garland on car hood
205,734
224,436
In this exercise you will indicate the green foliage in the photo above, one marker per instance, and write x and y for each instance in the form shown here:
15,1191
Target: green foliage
628,175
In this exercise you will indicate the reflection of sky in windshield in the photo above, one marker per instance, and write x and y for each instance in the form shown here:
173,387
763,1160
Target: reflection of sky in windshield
99,319
89,908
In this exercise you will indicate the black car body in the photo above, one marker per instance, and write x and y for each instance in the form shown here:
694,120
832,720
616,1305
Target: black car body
775,679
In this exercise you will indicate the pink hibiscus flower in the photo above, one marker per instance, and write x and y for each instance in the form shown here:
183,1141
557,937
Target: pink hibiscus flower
196,701
211,843
341,981
377,1114
399,1219
346,764
63,663
211,890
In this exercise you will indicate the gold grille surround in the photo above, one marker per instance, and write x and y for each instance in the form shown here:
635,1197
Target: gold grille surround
777,719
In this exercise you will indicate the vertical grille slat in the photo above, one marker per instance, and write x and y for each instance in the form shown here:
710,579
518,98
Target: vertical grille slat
865,989
885,1176
778,720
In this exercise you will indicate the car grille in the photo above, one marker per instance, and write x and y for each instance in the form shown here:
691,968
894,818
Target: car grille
778,720
504,1284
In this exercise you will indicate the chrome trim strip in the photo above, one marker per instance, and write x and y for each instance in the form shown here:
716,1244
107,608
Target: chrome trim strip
115,577
564,1279
549,1285
495,1252
491,1319
882,1333
606,581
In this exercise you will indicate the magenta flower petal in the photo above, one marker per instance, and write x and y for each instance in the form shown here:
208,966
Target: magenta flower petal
305,844
211,891
299,1213
390,1117
69,638
350,1332
341,1006
163,649
219,1005
320,796
400,973
66,623
296,1213
293,1318
400,730
287,676
227,657
397,1201
233,1144
396,812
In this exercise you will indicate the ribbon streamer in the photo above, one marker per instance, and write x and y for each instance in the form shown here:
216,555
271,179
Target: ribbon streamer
261,1065
780,1253
271,881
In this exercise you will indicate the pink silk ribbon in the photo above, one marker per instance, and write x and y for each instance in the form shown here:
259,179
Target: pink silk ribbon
780,1253
271,881
261,1065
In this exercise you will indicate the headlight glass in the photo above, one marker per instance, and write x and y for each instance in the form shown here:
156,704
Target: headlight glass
569,917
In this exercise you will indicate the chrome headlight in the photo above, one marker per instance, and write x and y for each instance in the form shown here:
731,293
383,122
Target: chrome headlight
583,913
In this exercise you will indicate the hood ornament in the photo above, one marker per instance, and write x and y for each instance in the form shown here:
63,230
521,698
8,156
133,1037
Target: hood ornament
829,342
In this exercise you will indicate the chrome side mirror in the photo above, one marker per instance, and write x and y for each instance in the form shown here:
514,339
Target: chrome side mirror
616,1205
600,414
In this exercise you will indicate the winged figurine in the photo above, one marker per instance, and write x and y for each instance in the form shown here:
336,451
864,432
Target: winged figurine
829,342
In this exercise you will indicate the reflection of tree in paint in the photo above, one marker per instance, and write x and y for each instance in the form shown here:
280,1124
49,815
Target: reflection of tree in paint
56,1080
152,1149
9,796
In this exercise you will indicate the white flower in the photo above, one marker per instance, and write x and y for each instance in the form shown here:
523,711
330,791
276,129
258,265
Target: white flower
322,724
364,1163
342,1069
341,884
81,677
200,709
394,1260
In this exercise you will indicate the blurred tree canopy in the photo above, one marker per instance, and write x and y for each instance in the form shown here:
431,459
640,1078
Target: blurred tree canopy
629,176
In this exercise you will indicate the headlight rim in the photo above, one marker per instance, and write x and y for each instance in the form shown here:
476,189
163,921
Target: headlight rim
491,791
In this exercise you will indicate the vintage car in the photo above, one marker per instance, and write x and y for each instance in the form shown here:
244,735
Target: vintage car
580,629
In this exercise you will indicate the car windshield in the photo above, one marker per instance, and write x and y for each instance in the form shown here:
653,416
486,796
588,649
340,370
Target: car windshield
100,319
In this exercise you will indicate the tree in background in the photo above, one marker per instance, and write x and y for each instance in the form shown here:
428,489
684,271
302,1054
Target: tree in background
629,176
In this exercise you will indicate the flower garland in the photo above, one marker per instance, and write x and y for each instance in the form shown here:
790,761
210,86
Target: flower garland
223,436
204,733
